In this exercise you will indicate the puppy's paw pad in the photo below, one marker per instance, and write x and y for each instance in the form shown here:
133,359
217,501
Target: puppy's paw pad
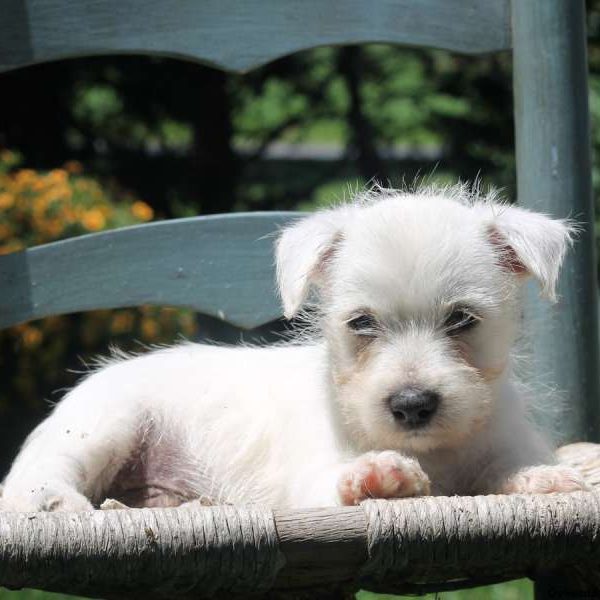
545,480
382,475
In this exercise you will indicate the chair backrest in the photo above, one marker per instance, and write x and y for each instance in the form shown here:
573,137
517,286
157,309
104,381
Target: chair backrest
219,265
553,161
239,36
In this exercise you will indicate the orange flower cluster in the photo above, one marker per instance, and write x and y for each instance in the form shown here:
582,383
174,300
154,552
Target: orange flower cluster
40,207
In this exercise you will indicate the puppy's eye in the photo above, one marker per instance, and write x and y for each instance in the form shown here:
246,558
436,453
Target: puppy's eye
459,321
363,324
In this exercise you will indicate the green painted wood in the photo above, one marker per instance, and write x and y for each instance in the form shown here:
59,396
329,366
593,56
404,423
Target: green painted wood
554,176
219,265
240,35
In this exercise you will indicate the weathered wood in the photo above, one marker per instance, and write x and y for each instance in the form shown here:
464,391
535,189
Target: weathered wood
219,265
554,176
239,36
401,546
388,546
185,551
342,537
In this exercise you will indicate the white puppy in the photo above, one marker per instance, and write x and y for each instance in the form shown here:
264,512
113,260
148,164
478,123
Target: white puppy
407,389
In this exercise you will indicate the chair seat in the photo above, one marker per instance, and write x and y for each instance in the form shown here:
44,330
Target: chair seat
395,546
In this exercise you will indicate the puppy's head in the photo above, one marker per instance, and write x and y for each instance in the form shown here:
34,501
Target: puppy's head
419,305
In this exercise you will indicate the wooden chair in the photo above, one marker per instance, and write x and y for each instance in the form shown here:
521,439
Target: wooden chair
222,266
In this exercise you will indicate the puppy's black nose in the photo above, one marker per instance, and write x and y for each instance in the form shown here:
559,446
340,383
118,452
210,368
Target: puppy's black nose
414,407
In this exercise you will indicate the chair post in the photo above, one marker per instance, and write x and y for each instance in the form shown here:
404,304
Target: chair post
554,176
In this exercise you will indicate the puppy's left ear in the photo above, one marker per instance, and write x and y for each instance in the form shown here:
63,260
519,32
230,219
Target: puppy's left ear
532,244
302,251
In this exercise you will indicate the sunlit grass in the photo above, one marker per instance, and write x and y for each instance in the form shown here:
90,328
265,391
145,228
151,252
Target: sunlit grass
33,595
514,590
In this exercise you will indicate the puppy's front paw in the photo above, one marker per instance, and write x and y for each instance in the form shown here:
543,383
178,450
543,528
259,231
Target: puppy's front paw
382,475
45,500
545,480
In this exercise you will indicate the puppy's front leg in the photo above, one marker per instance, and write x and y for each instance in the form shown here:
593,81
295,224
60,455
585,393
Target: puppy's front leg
544,479
524,464
386,474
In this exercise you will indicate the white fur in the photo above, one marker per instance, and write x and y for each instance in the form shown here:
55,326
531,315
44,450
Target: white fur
309,423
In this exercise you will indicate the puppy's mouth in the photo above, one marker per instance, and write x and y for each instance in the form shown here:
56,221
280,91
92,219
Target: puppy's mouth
423,435
421,440
437,434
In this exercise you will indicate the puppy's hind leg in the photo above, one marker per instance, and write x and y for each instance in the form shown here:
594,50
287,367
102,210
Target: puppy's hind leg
71,457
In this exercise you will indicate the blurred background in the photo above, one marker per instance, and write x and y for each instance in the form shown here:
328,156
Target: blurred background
99,143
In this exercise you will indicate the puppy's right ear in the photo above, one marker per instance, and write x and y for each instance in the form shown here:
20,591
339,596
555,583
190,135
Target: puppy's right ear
302,251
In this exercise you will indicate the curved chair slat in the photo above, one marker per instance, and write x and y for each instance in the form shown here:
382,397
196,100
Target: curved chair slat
219,265
239,36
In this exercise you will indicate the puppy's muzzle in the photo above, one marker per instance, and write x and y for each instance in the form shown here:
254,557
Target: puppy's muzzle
413,407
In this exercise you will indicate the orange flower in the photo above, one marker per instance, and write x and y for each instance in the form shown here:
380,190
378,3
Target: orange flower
188,323
53,227
121,322
12,246
41,202
93,219
39,184
149,328
6,200
73,167
68,214
25,177
142,211
31,337
107,210
58,176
